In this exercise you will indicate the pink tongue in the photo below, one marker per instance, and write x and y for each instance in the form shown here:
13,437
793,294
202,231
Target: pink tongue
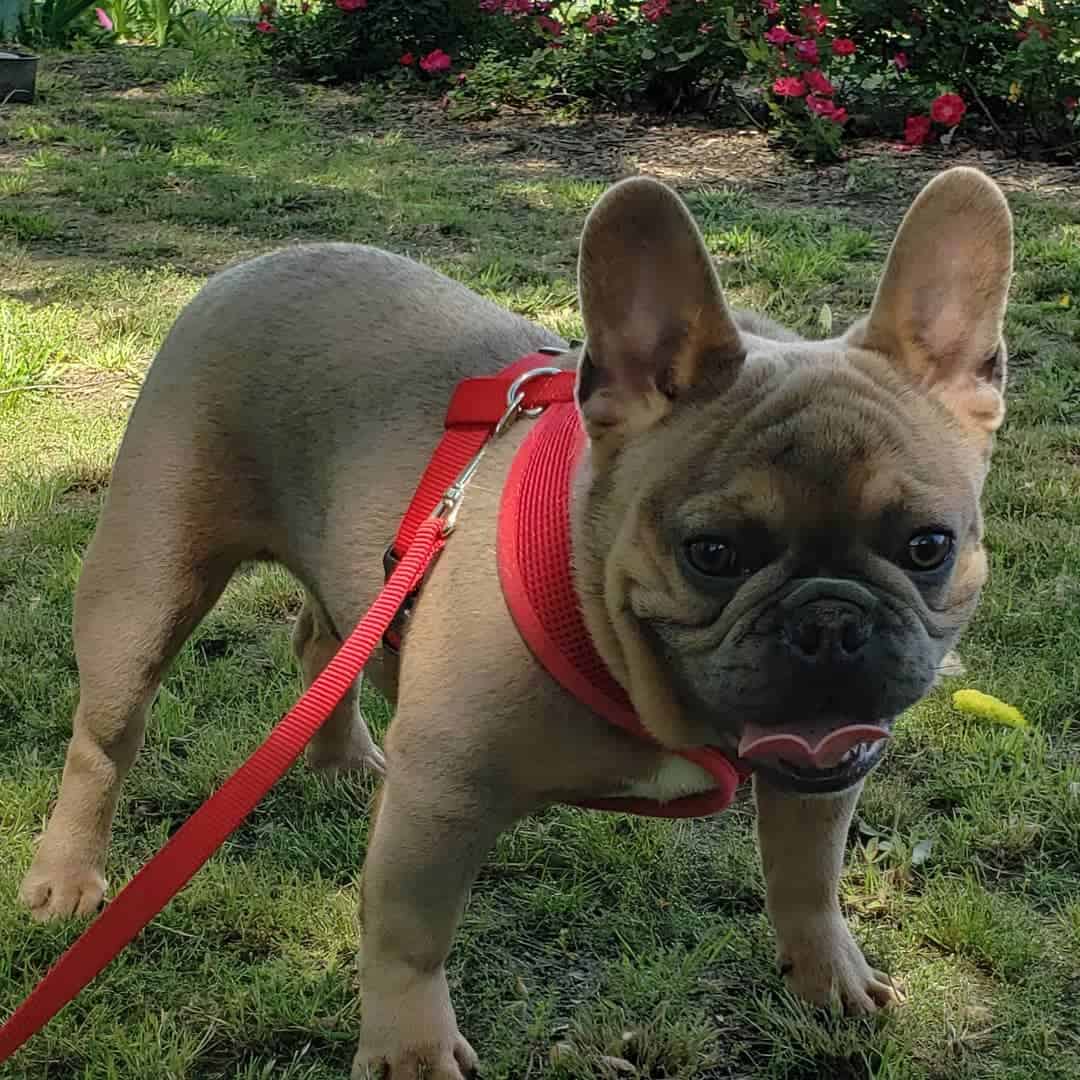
821,749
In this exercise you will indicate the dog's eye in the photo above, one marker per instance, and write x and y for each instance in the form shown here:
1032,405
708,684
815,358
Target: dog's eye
712,557
928,550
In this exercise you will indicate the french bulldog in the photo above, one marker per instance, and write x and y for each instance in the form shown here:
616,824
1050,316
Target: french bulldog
775,543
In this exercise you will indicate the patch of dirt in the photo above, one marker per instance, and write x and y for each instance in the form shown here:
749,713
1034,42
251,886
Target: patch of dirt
11,156
87,496
873,185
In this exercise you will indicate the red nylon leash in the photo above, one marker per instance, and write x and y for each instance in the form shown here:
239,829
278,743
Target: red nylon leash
207,829
479,411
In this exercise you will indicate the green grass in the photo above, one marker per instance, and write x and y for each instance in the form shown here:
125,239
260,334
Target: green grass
587,935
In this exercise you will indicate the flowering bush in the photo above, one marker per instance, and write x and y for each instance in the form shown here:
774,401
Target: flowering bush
913,70
800,61
669,53
348,39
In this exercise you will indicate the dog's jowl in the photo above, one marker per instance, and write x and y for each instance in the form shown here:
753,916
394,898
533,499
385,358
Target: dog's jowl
771,543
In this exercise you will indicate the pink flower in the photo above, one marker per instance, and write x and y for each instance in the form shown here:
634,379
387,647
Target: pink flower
813,19
655,10
705,28
406,59
265,28
789,86
491,6
948,109
770,7
818,83
820,106
807,51
103,19
351,5
780,35
549,25
843,46
599,23
838,116
435,61
901,61
916,130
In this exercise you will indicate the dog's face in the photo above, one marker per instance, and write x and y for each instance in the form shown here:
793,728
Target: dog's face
777,541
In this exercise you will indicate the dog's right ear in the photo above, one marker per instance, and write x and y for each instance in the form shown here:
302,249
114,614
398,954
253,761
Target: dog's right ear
940,307
656,323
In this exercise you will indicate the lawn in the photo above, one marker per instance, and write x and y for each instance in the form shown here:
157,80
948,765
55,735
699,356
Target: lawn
594,945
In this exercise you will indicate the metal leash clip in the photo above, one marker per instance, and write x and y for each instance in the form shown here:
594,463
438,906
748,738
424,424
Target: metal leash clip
450,503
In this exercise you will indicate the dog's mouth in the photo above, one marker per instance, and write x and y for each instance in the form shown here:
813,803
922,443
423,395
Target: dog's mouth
816,760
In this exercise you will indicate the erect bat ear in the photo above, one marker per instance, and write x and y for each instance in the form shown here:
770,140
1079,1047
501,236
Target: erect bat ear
656,322
940,306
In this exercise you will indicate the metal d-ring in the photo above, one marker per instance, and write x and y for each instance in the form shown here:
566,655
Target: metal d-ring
515,395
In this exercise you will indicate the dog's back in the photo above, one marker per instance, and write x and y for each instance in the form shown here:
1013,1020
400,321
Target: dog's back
307,376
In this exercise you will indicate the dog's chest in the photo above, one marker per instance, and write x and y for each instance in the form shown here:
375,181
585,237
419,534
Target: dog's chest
675,778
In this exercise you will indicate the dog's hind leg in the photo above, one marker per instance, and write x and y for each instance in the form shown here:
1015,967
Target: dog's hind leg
343,742
146,583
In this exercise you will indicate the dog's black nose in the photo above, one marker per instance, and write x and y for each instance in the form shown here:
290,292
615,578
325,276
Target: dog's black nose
828,631
828,621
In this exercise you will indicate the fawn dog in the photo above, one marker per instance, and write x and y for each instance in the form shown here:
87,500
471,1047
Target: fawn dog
775,542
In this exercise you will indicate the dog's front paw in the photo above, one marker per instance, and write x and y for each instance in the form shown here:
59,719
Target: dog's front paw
821,962
62,882
455,1060
409,1032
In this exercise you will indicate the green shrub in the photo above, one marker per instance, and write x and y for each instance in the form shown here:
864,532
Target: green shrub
814,72
348,39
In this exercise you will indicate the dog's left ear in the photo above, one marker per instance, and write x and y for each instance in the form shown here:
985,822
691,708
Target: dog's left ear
657,326
940,306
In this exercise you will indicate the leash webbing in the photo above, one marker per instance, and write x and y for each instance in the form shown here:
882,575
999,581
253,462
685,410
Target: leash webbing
207,829
477,413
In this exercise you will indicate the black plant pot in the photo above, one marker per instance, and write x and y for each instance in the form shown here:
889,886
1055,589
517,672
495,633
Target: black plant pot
18,77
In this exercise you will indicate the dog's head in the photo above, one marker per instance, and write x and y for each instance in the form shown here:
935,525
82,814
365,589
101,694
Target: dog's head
776,540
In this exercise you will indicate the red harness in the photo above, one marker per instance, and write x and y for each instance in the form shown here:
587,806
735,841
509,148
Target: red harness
533,554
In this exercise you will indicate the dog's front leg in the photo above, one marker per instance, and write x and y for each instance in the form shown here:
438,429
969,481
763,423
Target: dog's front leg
801,839
430,836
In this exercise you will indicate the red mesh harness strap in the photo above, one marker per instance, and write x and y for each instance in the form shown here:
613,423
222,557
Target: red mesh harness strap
534,558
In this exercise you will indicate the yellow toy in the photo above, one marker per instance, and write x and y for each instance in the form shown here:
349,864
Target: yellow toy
987,707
